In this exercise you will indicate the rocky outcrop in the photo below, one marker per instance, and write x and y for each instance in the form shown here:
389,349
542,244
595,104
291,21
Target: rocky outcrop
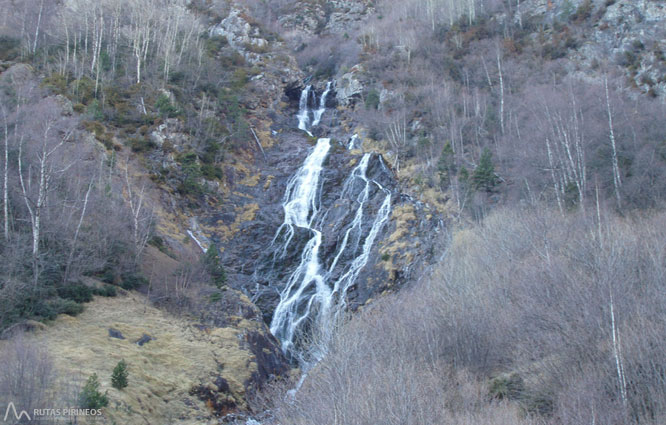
349,87
336,16
630,31
242,35
624,32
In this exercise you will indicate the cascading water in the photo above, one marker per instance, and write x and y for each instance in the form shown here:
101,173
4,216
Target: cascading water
322,106
303,111
359,174
306,283
305,122
329,260
312,298
352,142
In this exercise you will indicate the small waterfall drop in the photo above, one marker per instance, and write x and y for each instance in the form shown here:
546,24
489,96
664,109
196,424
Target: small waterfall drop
303,111
322,106
352,142
306,117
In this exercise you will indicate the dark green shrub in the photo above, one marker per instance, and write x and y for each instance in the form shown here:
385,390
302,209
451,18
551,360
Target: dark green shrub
40,309
69,307
446,165
211,172
95,110
107,275
165,107
212,151
372,99
553,51
215,297
540,403
141,144
10,48
77,292
158,242
239,78
231,60
484,177
132,281
119,375
90,396
177,77
82,90
214,266
191,174
214,44
106,291
56,83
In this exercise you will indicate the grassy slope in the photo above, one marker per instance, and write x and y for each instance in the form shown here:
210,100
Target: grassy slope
161,372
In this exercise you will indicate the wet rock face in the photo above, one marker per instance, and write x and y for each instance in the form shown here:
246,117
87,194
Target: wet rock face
216,396
252,260
274,266
271,363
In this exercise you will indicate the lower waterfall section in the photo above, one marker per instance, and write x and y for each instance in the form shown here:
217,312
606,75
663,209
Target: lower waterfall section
306,285
314,292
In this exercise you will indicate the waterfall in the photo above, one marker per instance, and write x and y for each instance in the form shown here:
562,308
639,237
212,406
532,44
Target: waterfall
197,235
306,283
304,120
349,277
322,105
313,295
303,111
352,142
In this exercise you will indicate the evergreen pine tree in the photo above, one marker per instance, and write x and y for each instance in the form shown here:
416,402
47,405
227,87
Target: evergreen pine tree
484,176
119,375
91,397
446,166
214,266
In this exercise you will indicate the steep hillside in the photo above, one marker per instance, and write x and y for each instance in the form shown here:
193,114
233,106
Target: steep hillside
240,179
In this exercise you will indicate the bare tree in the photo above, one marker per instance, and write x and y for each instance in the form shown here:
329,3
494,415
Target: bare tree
142,216
5,191
49,141
27,373
617,181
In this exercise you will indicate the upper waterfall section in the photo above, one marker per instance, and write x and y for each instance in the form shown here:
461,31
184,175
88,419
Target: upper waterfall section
312,107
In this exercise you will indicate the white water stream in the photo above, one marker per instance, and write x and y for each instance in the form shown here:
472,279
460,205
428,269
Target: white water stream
311,300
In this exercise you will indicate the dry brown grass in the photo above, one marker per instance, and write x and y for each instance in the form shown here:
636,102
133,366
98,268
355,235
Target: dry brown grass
161,372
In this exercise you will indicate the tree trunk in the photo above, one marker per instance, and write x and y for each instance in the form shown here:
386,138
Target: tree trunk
617,181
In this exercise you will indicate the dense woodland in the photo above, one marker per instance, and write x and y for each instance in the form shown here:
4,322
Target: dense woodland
548,304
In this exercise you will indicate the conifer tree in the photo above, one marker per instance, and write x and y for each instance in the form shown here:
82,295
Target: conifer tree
119,375
91,397
446,166
484,177
214,266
